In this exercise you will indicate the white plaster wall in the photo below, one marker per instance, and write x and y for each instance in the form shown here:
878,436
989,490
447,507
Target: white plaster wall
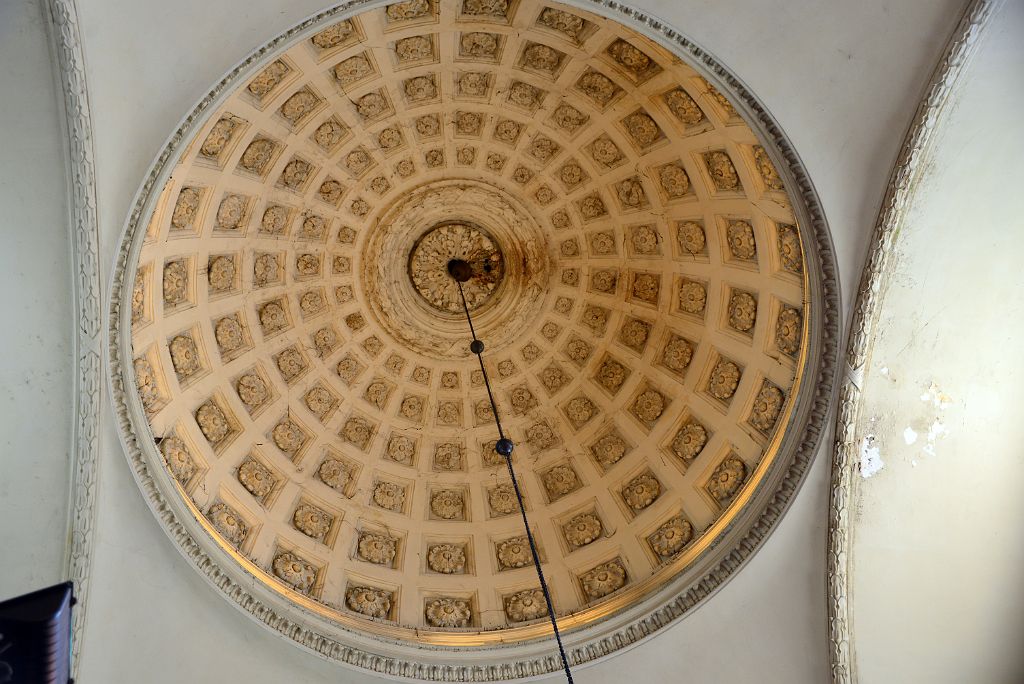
843,79
938,552
36,340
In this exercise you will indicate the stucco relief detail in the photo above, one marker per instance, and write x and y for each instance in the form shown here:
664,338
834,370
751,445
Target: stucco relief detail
374,603
252,390
335,474
727,479
689,441
767,407
526,605
447,559
186,207
414,48
723,173
220,135
582,530
448,504
514,553
138,302
228,523
300,105
479,44
333,36
788,330
313,522
148,385
671,537
677,354
213,422
693,297
603,580
561,480
329,134
564,22
766,168
720,99
410,9
390,496
683,106
295,571
257,479
691,237
789,248
178,459
725,378
632,58
448,612
641,491
258,155
609,449
742,245
502,499
742,311
377,548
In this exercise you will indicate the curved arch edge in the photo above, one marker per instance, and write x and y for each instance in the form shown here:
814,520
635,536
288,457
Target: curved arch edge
877,267
68,57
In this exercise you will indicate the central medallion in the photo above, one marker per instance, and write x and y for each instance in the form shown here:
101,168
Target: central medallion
428,266
405,258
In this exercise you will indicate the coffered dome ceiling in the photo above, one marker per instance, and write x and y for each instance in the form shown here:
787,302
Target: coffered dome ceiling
301,356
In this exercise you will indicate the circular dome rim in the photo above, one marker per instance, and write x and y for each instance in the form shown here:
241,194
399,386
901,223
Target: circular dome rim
798,442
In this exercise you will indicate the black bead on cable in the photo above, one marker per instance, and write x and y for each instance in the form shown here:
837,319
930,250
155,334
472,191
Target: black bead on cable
461,271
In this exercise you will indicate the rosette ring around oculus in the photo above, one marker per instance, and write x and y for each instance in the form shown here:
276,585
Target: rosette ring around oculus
405,257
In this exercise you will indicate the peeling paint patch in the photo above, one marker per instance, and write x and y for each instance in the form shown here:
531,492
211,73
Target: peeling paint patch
936,397
870,457
910,435
935,430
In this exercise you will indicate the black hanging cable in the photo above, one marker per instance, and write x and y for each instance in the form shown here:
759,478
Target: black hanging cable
461,272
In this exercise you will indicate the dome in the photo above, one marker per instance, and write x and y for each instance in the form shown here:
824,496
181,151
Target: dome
309,419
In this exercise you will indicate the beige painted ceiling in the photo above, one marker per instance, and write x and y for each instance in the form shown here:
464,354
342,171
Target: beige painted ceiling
303,363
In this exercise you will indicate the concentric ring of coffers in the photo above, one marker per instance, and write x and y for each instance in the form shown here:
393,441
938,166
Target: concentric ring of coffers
306,372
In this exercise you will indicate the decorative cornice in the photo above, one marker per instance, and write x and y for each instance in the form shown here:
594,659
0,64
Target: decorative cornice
507,663
899,193
66,45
